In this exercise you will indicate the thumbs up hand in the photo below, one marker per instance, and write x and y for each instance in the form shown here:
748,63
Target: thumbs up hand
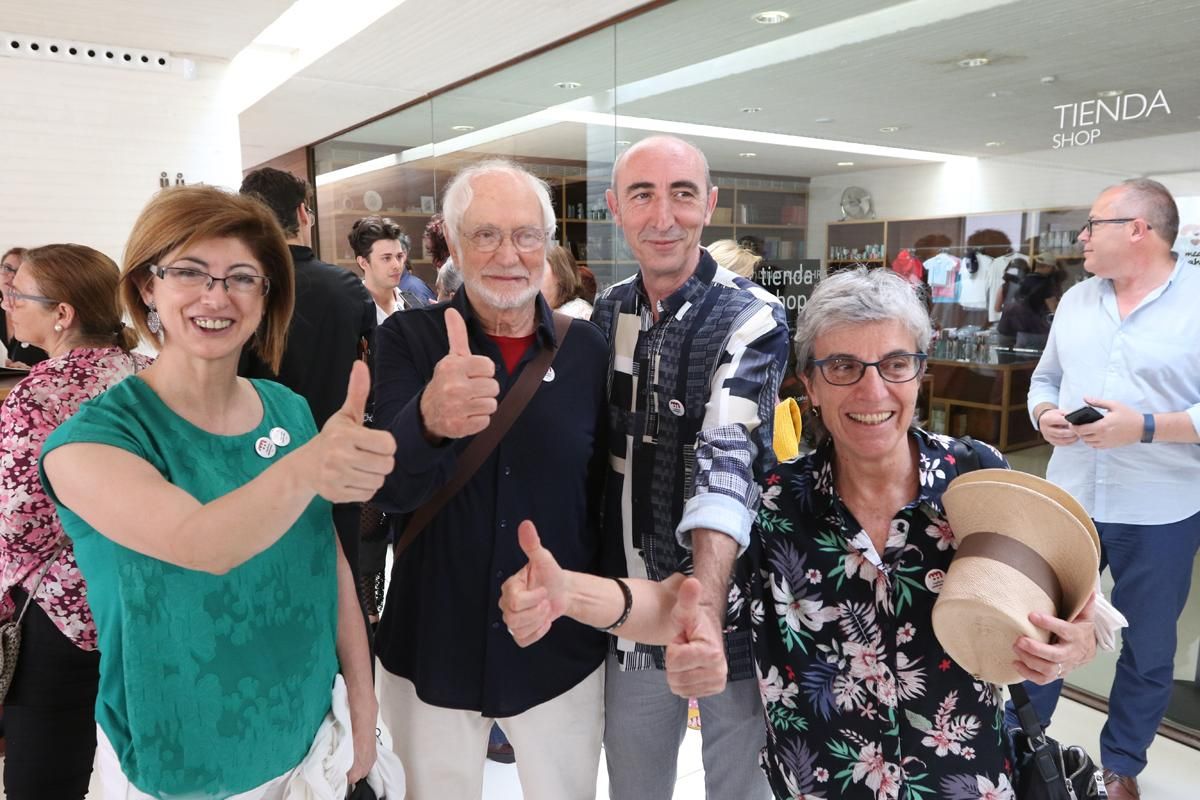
350,460
695,659
461,397
536,595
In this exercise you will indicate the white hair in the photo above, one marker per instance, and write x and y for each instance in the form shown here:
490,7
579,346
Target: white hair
459,194
860,296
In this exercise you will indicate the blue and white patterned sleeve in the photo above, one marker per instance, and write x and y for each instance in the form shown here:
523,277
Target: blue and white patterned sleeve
734,447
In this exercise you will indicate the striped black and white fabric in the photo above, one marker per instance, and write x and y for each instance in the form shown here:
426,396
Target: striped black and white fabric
691,404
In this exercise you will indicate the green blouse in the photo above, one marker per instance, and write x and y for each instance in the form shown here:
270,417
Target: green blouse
209,684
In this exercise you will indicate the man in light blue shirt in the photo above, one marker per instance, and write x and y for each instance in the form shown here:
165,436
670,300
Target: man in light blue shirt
1127,342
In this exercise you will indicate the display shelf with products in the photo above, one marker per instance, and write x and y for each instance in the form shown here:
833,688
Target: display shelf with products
983,400
767,216
852,243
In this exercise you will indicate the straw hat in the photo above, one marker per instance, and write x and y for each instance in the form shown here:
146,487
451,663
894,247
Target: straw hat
1024,545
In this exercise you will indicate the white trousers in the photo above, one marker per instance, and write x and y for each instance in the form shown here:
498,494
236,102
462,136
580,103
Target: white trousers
557,743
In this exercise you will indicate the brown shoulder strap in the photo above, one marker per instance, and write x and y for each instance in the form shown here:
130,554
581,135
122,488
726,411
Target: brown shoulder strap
472,458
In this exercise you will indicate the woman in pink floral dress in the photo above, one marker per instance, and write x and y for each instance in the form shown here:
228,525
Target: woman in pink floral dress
64,300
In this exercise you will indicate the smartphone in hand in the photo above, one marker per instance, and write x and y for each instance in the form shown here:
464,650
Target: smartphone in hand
1084,416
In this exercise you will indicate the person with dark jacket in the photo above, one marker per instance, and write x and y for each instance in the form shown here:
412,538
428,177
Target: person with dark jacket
1026,320
332,325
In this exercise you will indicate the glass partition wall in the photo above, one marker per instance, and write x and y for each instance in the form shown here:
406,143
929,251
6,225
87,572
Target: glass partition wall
883,133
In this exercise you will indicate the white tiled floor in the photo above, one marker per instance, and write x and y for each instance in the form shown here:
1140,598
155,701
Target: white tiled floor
1173,774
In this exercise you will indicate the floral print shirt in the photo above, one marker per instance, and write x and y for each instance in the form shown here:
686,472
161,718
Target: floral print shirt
860,698
29,527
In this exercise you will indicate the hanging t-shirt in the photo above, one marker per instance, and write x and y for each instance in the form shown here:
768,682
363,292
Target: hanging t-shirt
909,266
942,272
972,291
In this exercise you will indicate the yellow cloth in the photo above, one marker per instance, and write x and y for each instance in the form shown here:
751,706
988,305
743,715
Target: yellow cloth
788,426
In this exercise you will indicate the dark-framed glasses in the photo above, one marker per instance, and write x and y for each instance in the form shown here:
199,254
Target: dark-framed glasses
12,296
1087,226
488,239
8,269
186,278
846,371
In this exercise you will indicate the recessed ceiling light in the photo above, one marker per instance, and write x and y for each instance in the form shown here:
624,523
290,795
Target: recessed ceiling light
568,84
889,129
751,109
993,144
823,120
845,163
462,128
623,143
1111,93
975,61
747,155
1000,93
771,17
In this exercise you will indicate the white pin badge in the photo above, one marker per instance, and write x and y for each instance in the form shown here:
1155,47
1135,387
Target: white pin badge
280,437
264,447
549,376
934,580
676,407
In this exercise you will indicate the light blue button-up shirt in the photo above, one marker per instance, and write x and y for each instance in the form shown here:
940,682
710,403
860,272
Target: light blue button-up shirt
1151,361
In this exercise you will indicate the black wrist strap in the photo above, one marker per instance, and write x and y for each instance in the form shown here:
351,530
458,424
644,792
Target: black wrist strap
628,594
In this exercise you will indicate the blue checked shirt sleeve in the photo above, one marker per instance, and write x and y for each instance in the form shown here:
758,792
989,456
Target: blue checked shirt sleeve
734,443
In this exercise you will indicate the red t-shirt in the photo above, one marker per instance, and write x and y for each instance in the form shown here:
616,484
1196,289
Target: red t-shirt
512,348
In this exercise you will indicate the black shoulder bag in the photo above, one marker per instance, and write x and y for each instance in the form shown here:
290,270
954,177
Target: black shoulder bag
1045,769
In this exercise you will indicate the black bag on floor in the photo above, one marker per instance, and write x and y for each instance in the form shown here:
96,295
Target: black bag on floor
1045,770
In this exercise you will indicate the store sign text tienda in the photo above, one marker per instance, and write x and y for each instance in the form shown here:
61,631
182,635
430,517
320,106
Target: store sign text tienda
1079,123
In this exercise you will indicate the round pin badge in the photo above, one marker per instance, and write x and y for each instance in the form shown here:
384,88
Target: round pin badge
934,580
280,437
676,407
264,447
549,376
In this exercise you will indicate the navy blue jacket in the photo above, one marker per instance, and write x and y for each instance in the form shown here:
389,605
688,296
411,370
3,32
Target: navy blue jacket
441,626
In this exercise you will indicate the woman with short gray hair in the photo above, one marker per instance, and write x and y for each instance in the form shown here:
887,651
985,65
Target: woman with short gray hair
848,551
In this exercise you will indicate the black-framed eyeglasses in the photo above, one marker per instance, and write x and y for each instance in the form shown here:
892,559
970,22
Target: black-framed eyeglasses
186,278
1087,226
488,239
5,268
12,296
846,371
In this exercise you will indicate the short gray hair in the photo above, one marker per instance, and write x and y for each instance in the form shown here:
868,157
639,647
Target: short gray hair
459,194
1149,199
708,184
856,297
449,278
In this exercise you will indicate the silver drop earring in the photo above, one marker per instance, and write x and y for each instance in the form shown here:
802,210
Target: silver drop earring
153,321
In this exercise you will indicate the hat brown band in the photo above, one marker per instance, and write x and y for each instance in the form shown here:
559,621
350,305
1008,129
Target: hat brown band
1016,554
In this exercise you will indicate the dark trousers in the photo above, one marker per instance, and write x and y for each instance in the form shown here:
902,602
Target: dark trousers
49,714
1152,572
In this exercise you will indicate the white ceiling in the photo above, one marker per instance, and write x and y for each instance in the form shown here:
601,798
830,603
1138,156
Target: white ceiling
210,28
419,47
864,64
